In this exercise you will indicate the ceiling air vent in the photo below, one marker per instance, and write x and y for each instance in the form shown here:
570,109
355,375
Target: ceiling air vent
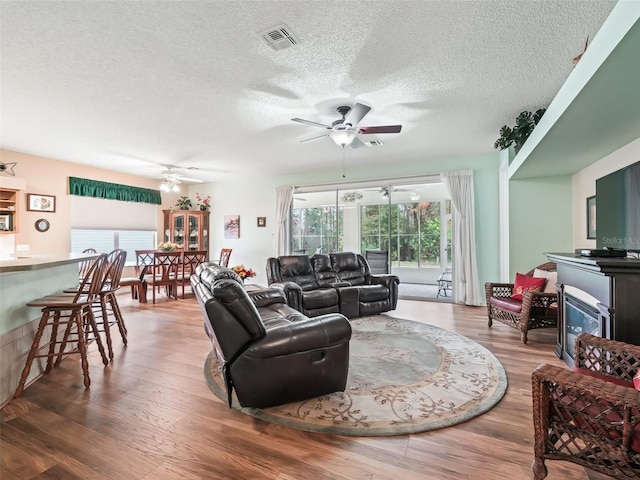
373,143
279,37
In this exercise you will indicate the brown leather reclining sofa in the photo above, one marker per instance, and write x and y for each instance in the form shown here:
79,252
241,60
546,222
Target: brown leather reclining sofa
270,353
337,282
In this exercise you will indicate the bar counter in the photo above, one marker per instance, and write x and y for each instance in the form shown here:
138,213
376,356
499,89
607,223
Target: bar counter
21,281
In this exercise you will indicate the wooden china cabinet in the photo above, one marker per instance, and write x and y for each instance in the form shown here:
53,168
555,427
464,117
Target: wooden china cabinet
188,228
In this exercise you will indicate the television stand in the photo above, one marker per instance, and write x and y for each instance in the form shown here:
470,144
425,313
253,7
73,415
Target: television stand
598,295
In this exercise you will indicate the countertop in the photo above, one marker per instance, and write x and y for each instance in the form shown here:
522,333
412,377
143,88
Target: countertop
36,262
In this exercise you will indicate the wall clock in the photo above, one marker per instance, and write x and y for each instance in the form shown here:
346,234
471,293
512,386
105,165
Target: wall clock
42,225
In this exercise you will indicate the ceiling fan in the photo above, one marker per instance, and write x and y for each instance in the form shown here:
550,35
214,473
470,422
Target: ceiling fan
172,179
345,130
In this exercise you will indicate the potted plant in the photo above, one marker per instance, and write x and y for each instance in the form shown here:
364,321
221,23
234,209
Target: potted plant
184,203
203,202
516,136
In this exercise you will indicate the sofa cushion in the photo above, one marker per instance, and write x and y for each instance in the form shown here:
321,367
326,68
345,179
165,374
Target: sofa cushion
320,298
507,303
297,269
373,293
322,268
347,268
552,280
525,283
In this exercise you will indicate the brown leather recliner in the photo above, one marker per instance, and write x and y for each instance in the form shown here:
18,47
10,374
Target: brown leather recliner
271,354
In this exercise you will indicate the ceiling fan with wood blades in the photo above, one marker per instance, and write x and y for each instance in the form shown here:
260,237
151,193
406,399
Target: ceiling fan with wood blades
345,130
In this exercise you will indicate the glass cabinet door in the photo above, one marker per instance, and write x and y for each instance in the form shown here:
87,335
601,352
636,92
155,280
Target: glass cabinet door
179,229
194,233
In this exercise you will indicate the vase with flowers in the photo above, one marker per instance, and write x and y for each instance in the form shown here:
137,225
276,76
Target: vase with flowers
168,246
243,272
203,202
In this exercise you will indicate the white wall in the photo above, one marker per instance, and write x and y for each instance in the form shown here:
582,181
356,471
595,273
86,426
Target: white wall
584,186
253,198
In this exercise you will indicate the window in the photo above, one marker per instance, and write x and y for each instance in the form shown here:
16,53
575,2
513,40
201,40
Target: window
412,229
315,230
105,241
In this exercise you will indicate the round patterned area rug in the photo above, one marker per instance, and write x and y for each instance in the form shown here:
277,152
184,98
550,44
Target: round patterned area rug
404,377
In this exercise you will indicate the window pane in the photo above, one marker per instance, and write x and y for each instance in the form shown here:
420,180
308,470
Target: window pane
103,241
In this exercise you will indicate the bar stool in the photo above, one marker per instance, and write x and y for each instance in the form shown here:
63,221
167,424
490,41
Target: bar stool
67,311
106,310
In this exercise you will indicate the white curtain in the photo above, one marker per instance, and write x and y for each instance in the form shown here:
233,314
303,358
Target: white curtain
284,197
465,268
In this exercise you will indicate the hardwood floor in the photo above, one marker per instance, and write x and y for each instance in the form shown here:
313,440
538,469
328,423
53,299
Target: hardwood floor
149,415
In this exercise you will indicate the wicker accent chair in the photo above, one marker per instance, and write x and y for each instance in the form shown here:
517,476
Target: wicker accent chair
589,415
536,310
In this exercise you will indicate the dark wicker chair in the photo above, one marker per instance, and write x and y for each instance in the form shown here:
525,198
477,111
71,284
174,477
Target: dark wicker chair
592,419
537,309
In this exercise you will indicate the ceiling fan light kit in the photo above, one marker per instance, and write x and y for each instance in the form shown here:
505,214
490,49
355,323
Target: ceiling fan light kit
345,130
343,137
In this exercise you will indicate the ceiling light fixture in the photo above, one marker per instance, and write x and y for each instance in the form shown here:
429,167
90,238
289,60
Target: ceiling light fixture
343,137
169,186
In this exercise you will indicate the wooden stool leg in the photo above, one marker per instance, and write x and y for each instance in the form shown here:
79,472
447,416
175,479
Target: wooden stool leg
83,348
32,353
105,325
53,340
117,313
90,319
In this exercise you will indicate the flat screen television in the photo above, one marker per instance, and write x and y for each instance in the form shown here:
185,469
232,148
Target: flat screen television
618,209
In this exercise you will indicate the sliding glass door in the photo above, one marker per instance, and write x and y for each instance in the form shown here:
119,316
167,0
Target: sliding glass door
411,223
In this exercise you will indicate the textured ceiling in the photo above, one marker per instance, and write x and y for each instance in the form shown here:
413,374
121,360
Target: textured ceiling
134,85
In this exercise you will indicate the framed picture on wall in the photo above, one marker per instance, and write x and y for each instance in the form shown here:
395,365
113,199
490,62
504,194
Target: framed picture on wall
262,221
41,203
232,226
591,217
5,223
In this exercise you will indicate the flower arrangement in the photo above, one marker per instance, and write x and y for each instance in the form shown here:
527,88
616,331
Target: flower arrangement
203,203
168,246
243,272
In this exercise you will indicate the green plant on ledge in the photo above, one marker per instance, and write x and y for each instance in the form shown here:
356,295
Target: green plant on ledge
516,136
184,203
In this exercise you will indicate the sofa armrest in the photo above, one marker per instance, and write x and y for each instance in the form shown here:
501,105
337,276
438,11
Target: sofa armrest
291,291
267,296
305,335
386,279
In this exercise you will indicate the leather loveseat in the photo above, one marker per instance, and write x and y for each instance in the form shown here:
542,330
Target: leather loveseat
270,353
337,282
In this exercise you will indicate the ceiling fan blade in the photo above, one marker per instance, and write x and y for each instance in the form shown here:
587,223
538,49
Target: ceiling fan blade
309,122
380,129
356,143
314,138
187,179
357,113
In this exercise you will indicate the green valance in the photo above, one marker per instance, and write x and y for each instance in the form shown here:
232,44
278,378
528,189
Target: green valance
113,191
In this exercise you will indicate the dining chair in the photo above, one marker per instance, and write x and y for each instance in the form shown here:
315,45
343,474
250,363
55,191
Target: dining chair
72,313
190,260
164,272
225,254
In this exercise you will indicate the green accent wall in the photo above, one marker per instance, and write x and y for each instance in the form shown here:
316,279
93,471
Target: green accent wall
540,213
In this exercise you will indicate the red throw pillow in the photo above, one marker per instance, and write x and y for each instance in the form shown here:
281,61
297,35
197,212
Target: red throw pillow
636,380
525,283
